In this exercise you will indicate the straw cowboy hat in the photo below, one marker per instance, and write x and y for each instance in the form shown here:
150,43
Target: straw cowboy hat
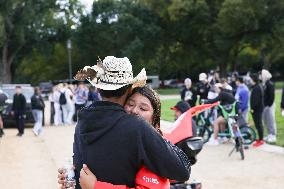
111,74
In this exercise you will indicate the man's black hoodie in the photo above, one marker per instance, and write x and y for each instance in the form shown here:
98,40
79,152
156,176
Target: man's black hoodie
115,145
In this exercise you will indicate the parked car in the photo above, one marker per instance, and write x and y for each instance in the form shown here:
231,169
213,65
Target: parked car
173,83
10,90
45,88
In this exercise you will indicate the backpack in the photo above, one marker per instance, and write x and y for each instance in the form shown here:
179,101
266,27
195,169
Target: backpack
62,99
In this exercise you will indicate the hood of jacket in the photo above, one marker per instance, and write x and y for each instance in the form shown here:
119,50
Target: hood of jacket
98,119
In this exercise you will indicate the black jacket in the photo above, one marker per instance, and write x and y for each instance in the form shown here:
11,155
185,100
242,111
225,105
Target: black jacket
202,90
256,98
37,102
189,95
224,98
282,99
269,93
19,103
115,145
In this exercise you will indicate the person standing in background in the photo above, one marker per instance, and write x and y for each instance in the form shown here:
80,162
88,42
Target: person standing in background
19,110
228,88
3,98
37,110
282,102
52,111
233,84
203,87
93,95
268,114
65,100
188,94
57,108
257,105
81,98
242,96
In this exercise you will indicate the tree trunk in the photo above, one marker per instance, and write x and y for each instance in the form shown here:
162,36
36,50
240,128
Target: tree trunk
6,75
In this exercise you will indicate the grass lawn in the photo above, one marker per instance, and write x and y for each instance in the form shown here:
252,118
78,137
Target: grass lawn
169,91
168,115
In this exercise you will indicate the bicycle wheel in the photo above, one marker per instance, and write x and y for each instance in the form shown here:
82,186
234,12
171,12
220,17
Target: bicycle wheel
248,135
204,132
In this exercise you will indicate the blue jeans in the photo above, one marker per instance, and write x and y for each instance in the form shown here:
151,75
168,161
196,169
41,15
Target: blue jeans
38,115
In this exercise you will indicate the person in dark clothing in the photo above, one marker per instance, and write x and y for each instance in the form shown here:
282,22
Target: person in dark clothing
180,108
188,93
3,98
202,87
93,95
19,109
282,103
233,84
257,105
225,98
115,144
37,110
268,114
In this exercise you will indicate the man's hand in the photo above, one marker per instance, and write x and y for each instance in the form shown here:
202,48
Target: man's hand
87,178
62,178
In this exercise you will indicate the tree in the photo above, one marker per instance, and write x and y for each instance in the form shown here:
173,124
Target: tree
27,24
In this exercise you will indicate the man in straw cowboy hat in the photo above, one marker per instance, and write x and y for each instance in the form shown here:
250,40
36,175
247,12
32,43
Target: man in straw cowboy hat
115,144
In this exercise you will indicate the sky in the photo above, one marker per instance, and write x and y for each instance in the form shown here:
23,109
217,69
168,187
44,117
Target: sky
87,4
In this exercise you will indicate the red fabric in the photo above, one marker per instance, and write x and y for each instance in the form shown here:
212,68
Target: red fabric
145,179
182,127
105,185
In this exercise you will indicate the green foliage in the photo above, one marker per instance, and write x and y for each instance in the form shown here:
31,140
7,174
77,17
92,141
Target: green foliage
29,25
174,39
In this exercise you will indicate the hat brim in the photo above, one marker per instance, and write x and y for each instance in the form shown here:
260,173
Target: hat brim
174,108
138,81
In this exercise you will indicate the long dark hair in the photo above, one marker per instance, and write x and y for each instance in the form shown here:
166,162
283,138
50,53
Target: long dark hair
153,97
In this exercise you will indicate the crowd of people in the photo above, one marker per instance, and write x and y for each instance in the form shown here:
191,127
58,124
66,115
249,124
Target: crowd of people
65,101
255,95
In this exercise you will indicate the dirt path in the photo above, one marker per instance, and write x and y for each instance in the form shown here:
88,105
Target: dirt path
31,163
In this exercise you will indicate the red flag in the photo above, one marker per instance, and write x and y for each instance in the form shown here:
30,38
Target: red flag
182,127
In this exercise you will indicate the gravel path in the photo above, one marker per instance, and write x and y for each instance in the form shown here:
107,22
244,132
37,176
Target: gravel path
31,163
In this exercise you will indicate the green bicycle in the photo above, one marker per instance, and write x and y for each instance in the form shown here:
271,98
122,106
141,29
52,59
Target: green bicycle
242,134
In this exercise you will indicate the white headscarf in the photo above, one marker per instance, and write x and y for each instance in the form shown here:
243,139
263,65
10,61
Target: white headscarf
187,83
265,75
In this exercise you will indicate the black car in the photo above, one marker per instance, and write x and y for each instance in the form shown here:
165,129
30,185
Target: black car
10,90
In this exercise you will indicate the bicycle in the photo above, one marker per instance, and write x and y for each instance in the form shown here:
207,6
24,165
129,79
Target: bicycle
205,131
204,124
241,135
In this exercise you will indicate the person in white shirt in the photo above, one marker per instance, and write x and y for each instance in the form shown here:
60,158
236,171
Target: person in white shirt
67,108
57,109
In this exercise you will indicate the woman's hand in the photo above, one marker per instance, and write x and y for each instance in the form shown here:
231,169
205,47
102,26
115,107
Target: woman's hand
87,178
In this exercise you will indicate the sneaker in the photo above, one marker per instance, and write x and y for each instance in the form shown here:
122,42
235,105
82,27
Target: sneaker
20,134
272,139
267,137
258,143
213,142
223,140
36,134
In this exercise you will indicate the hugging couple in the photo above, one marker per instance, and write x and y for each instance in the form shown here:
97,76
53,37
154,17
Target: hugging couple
118,139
